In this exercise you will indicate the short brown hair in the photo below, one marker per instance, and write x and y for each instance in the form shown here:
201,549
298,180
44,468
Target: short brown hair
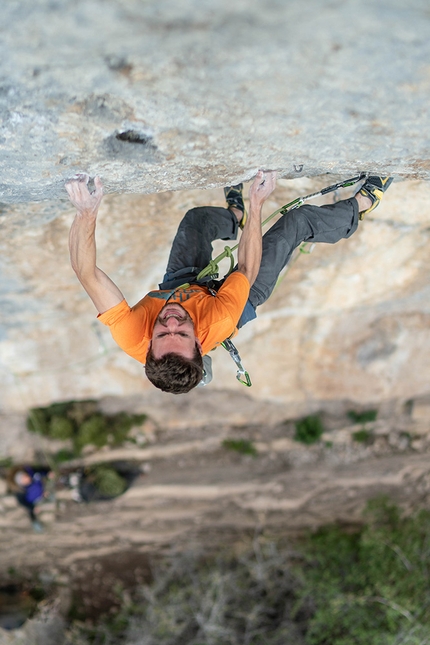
174,373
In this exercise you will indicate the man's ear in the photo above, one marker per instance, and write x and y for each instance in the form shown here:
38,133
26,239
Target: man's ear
199,345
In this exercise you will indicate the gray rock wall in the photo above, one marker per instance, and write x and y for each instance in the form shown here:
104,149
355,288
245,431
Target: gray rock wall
169,95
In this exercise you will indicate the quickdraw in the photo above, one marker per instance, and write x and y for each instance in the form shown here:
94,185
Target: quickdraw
241,375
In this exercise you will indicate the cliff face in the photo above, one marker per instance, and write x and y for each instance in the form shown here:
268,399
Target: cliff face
166,96
347,322
158,96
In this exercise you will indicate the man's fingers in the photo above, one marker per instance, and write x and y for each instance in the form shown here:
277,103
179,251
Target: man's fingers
69,188
77,186
99,185
82,177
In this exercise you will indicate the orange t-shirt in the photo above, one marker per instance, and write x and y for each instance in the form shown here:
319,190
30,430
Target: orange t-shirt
214,316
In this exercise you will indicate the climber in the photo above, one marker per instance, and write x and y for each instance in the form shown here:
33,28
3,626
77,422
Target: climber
170,329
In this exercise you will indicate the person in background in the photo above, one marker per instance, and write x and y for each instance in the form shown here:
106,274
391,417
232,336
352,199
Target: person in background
29,486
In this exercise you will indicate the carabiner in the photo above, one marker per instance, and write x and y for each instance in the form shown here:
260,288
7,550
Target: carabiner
247,380
232,350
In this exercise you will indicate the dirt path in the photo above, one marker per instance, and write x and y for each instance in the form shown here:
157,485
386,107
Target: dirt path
192,489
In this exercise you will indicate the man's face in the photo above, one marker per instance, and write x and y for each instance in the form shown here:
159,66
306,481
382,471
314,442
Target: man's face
173,332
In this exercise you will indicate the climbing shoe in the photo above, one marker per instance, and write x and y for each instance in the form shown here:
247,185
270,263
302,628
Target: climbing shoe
374,188
234,198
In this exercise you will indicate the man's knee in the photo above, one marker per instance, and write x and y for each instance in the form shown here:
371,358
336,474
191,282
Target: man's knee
214,221
194,215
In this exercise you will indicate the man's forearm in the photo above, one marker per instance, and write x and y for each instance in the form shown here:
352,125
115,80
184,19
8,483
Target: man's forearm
250,245
103,292
82,243
82,246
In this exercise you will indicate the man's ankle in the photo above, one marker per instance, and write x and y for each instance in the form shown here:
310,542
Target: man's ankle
363,202
238,213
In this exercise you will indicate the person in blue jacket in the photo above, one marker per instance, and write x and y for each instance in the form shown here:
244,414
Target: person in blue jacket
29,487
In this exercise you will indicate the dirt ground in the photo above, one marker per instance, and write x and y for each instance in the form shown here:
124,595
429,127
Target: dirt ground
193,493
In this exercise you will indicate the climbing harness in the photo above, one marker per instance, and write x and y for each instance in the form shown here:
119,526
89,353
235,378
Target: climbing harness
211,271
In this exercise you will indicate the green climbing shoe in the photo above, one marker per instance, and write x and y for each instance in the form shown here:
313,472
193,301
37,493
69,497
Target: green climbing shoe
374,188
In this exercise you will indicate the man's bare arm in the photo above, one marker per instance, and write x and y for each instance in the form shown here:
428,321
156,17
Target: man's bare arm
250,245
82,244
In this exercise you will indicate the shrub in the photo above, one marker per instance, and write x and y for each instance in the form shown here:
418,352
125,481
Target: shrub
63,455
61,428
242,446
361,436
80,421
93,431
362,417
108,481
78,411
371,585
309,429
121,424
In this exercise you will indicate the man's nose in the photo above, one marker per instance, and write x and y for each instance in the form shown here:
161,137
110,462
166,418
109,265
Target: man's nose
172,323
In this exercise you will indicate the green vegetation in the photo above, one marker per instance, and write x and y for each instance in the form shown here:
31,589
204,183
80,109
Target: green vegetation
242,446
363,417
361,436
83,424
368,586
63,455
108,481
60,428
309,429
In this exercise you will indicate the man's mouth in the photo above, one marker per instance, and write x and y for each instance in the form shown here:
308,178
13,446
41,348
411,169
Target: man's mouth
172,313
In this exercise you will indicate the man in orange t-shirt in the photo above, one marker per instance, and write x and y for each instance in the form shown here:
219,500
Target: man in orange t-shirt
170,330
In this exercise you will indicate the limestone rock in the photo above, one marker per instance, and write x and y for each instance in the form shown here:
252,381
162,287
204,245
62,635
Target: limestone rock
348,322
163,95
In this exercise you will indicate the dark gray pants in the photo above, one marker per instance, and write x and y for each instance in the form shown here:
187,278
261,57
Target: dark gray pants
192,246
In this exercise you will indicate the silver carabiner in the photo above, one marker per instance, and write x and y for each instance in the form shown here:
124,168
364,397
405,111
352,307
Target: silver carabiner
241,372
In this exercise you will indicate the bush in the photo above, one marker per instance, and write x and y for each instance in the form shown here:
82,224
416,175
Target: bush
78,411
361,436
372,585
108,481
309,430
63,455
61,428
93,431
242,446
80,421
121,424
363,417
